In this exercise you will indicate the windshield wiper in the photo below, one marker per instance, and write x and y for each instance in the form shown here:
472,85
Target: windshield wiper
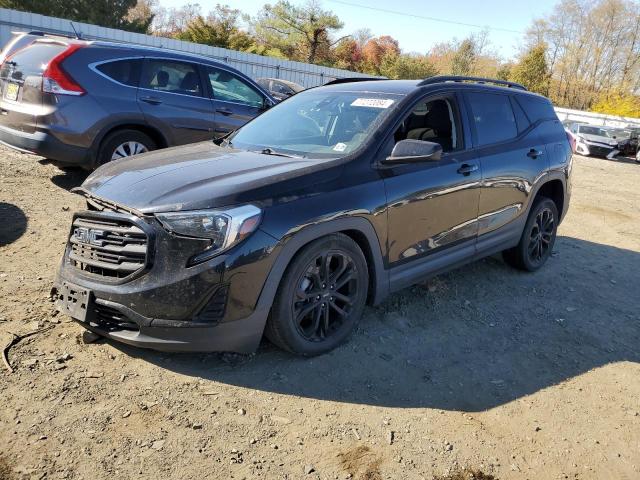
271,151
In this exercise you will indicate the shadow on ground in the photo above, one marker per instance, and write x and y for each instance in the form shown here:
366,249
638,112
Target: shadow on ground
473,339
68,177
13,223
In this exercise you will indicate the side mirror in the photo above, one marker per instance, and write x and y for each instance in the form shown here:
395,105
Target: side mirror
414,151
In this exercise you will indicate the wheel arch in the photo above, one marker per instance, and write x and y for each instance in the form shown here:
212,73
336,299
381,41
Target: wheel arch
552,188
155,134
358,229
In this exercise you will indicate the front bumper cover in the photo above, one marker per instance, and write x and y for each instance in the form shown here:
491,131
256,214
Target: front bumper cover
212,306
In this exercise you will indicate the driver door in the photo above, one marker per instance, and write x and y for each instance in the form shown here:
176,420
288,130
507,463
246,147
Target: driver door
432,205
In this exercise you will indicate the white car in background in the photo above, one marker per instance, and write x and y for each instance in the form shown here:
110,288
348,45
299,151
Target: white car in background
592,140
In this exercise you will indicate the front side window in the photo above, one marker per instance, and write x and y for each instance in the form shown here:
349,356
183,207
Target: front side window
172,77
493,117
432,121
317,123
229,88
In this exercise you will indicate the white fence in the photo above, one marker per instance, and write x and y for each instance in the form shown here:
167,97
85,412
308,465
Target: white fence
597,118
255,66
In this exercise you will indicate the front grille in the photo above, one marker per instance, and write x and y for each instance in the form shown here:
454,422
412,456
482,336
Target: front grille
110,319
107,247
599,151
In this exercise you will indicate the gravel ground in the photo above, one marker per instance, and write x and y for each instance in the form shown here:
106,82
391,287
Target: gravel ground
485,370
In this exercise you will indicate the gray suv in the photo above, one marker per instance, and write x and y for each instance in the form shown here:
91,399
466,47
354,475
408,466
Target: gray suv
86,103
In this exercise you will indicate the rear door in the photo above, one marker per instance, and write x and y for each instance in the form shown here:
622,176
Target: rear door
235,100
173,99
21,100
512,156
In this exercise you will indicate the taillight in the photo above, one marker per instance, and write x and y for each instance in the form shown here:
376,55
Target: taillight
56,80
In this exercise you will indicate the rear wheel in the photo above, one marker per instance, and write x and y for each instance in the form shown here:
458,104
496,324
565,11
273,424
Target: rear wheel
124,143
538,237
321,297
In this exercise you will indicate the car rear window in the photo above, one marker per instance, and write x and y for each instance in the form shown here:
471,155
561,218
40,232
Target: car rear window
537,108
126,71
36,56
493,117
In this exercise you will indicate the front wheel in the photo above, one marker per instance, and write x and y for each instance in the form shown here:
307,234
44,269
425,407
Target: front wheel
538,237
321,297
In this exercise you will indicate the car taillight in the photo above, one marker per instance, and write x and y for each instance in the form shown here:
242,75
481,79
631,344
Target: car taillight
56,80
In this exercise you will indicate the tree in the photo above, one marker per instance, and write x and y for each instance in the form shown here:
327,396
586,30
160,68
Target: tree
377,49
407,66
532,70
618,102
106,13
464,58
593,49
301,32
220,29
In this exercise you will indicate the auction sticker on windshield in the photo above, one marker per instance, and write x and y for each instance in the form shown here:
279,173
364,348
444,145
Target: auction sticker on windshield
372,102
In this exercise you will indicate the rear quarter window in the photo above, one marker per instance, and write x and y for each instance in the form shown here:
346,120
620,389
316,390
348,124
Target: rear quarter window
492,116
537,108
125,71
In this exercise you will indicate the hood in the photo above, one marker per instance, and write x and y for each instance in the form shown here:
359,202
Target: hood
198,176
599,139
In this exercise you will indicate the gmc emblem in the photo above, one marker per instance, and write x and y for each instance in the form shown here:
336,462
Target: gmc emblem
88,235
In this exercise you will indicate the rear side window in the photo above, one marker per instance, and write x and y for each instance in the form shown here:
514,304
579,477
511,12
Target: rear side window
123,71
172,76
537,108
493,117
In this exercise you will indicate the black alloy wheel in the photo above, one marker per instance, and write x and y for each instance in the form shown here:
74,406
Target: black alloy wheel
325,295
538,237
542,233
321,296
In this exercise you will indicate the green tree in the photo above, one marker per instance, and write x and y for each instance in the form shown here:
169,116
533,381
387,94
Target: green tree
106,13
464,58
406,67
300,32
532,70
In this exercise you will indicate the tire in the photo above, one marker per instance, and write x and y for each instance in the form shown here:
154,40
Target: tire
332,310
535,248
122,138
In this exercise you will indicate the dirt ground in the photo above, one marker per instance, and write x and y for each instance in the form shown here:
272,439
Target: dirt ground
506,374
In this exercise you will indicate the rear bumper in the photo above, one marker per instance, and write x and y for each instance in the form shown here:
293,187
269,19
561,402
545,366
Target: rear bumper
43,144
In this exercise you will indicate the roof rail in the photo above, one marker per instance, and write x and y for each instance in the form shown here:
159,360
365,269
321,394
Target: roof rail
353,79
460,78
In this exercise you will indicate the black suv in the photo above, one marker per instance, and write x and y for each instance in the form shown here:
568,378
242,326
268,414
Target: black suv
86,103
333,198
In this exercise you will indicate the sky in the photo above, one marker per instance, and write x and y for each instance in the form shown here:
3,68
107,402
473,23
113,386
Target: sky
422,23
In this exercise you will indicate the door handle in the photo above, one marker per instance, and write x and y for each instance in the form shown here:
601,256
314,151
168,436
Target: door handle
151,100
533,153
467,168
224,111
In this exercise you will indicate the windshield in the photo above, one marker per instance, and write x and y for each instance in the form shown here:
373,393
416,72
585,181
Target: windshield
317,124
594,131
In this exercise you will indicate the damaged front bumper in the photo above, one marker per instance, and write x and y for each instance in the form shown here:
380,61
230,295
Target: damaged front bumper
159,302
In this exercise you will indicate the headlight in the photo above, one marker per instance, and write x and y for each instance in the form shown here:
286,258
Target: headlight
224,228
